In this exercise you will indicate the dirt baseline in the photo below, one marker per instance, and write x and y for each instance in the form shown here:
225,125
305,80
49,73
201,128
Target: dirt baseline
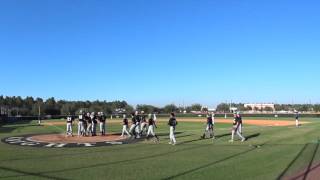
62,138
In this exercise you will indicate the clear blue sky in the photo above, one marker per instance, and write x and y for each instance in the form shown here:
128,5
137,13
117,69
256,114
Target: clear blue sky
159,52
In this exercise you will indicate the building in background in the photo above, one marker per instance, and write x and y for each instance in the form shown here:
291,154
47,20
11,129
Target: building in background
260,106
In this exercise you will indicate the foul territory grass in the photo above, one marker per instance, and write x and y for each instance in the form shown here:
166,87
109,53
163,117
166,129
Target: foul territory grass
269,153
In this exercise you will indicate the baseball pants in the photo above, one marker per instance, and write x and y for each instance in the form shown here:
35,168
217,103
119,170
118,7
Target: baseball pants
124,130
102,128
94,129
151,130
143,126
69,129
80,128
132,128
172,137
89,129
137,129
236,130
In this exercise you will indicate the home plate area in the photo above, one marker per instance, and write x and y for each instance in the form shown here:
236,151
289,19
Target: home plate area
61,140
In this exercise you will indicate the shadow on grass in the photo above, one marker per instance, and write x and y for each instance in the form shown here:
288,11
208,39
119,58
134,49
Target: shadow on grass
210,164
252,136
25,173
167,134
309,168
108,163
223,135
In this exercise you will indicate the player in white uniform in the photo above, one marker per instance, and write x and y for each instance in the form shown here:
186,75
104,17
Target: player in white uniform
235,129
81,131
69,125
137,128
143,126
172,123
102,124
94,124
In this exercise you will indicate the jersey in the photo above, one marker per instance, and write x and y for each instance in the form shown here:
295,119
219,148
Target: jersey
88,119
238,119
172,122
133,120
81,118
138,118
94,119
151,122
125,122
143,119
69,119
102,118
209,121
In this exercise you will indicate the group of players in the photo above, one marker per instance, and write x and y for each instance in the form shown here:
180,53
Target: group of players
87,124
140,125
144,125
236,127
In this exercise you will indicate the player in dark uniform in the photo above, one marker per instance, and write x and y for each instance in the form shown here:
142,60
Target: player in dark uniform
125,124
89,127
172,123
209,128
102,123
69,125
143,127
235,129
80,124
151,126
133,125
138,123
85,124
94,124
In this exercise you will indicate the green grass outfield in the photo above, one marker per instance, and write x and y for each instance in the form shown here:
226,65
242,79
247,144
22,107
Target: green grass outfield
269,153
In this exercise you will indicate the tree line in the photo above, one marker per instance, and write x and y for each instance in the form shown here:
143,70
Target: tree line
29,106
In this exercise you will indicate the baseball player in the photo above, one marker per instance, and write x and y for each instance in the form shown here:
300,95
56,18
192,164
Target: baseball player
172,123
81,131
209,127
138,122
133,125
297,118
69,125
235,129
237,115
102,122
143,126
85,124
94,124
89,126
151,126
125,126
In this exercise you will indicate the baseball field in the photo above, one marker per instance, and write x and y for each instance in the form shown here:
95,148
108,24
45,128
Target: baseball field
274,149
